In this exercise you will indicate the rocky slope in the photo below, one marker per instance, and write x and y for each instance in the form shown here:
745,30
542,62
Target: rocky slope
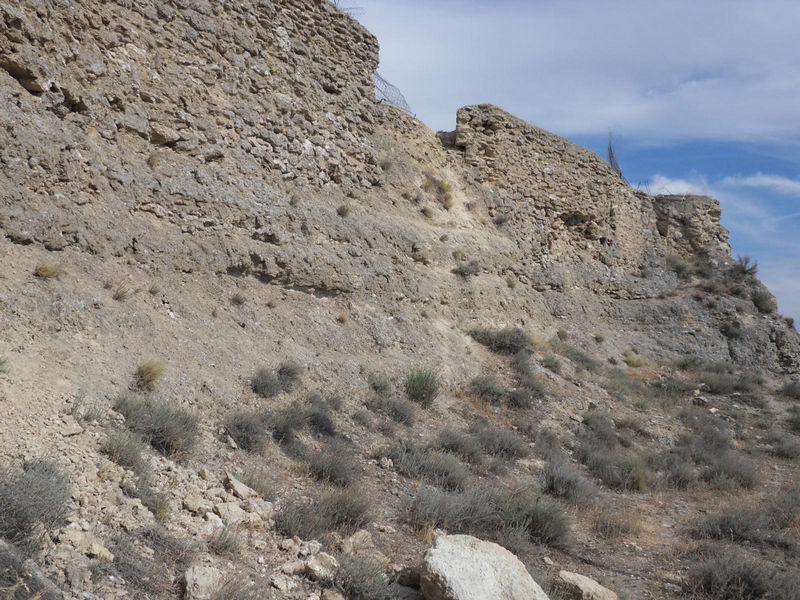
211,185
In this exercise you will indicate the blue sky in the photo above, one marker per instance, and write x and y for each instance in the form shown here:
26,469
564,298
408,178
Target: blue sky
702,97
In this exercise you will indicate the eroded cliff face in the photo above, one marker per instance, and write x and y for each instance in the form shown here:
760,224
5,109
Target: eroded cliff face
243,139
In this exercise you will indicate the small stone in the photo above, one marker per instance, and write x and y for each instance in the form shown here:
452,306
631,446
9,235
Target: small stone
321,566
584,587
239,489
201,582
309,548
70,426
548,561
293,568
331,595
282,582
230,512
197,505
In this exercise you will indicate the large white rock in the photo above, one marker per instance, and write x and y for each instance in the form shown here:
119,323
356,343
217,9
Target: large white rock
583,587
461,567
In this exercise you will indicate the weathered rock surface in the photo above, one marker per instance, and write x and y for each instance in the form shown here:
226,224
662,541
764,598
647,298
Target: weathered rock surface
581,587
461,567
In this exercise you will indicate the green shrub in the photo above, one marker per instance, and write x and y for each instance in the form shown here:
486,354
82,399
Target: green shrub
503,341
170,429
36,495
248,429
731,468
747,524
439,468
344,511
488,390
422,386
552,363
784,446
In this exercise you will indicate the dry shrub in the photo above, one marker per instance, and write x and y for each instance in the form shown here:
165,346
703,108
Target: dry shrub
37,495
563,481
344,511
613,523
48,270
500,515
503,341
170,429
436,467
148,373
335,463
248,429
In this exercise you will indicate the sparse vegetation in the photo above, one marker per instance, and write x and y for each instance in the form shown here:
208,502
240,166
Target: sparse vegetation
500,442
422,386
170,429
764,301
248,429
794,419
612,523
509,517
361,578
727,575
488,390
790,390
238,299
462,444
467,269
397,409
122,292
381,385
561,480
148,373
343,511
334,463
266,384
288,375
228,541
125,449
440,188
48,270
743,268
37,495
434,466
599,451
503,341
552,363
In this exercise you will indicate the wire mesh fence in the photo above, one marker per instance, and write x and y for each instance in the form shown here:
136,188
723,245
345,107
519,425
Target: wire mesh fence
386,93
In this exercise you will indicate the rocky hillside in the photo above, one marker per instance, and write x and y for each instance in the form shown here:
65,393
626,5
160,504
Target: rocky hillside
224,263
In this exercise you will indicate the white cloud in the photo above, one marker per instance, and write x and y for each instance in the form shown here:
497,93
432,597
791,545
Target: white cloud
659,184
673,69
777,183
